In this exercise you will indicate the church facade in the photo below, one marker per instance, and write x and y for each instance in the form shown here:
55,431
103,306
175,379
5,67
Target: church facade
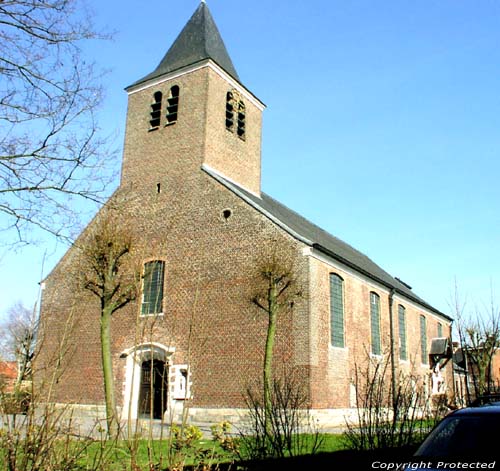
190,196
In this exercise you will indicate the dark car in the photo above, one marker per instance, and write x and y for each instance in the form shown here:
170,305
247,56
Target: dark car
469,434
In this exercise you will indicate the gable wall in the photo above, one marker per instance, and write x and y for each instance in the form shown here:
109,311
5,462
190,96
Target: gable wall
208,316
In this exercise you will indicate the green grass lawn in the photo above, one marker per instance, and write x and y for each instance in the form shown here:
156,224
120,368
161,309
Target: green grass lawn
155,454
119,455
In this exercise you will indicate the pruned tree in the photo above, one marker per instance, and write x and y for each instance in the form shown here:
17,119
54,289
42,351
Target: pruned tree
18,333
51,151
479,335
108,272
276,292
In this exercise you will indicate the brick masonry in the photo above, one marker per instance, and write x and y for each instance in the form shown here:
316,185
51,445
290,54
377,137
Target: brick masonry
174,211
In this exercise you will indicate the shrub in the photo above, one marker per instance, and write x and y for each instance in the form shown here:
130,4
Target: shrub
287,431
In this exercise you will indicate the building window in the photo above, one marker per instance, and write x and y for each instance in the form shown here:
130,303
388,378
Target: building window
229,111
235,109
423,339
403,355
152,288
156,110
173,105
375,323
336,310
241,120
440,329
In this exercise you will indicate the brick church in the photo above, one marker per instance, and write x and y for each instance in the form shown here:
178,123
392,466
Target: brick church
190,194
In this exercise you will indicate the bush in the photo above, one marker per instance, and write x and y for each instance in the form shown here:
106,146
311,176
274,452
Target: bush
288,430
385,420
15,402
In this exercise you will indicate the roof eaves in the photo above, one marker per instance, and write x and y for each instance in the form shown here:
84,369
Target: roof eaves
415,299
235,189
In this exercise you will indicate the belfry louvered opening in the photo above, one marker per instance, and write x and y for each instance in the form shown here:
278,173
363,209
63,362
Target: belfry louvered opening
241,120
155,119
235,114
173,105
229,111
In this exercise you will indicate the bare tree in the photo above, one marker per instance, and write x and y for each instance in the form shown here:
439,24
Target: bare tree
276,292
50,149
18,334
479,337
109,274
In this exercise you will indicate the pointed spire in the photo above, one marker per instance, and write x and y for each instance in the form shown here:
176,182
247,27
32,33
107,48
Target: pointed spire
199,40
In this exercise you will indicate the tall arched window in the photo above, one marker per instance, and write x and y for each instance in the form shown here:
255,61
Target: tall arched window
152,287
375,323
403,354
336,310
173,105
156,110
423,339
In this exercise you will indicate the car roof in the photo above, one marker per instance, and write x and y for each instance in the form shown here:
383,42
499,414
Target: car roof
486,409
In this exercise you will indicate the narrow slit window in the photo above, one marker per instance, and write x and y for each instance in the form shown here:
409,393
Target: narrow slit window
173,105
229,111
336,310
152,288
375,323
241,120
440,329
156,110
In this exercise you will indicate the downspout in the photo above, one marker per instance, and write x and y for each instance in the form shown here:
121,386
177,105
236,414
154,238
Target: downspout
392,358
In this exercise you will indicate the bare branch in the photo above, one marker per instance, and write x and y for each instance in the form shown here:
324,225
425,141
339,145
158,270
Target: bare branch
51,149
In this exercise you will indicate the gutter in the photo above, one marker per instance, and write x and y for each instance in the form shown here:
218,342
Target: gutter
233,187
390,286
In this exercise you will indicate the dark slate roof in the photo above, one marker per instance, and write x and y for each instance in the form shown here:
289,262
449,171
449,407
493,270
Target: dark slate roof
321,240
199,40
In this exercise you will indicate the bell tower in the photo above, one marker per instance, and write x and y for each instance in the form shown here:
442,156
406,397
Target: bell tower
193,111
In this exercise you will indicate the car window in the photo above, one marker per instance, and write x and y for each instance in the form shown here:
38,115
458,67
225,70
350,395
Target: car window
462,437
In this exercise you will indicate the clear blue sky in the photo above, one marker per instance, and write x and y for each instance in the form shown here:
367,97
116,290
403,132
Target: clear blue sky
382,126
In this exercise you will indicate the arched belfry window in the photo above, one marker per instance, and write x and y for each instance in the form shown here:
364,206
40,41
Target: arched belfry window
235,114
229,111
241,120
156,110
173,105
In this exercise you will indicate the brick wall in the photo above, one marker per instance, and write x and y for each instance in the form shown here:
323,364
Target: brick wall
333,368
212,243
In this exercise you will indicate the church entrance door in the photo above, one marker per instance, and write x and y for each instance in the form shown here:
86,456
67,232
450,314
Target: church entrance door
153,388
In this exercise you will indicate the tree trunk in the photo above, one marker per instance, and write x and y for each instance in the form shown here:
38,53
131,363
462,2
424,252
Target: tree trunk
107,369
268,357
